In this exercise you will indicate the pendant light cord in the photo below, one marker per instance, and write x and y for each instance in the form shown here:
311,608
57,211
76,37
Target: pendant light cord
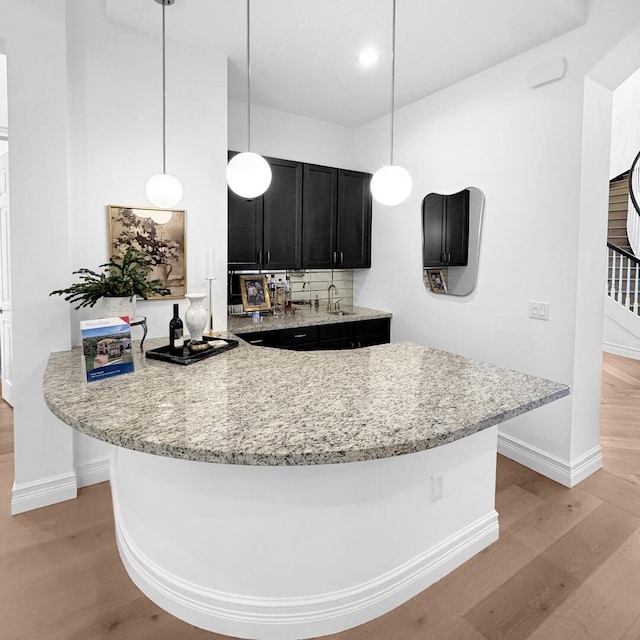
393,73
249,75
164,101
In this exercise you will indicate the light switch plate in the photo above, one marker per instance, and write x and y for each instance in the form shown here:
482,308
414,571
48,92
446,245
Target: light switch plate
538,310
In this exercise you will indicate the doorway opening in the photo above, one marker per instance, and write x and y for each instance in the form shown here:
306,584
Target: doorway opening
6,351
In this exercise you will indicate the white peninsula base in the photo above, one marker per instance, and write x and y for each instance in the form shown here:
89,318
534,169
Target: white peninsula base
289,552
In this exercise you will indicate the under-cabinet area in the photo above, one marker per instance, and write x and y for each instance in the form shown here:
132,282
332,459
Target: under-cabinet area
310,217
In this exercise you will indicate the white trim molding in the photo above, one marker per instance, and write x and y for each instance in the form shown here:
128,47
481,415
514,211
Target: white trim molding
621,350
41,493
567,473
93,472
296,617
4,133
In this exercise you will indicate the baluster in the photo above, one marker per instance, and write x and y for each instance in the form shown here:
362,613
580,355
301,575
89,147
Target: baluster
612,293
627,300
635,292
620,270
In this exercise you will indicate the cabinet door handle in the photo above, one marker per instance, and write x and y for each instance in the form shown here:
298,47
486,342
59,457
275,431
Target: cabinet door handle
341,257
335,257
259,257
267,257
300,335
256,341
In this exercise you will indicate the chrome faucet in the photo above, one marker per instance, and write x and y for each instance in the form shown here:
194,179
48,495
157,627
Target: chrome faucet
336,304
330,294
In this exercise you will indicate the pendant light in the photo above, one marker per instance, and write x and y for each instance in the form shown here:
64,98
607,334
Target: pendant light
164,190
248,174
391,185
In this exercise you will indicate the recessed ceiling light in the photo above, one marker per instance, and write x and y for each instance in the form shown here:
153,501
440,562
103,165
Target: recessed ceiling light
368,58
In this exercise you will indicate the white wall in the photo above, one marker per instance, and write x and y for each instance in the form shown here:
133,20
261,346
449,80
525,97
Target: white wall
94,141
523,148
115,146
291,137
625,122
4,113
34,39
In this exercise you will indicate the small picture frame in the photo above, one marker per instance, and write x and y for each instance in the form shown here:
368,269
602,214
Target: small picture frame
255,293
436,279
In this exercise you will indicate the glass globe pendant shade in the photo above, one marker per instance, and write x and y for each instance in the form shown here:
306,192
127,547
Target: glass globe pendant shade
161,217
248,175
164,190
391,185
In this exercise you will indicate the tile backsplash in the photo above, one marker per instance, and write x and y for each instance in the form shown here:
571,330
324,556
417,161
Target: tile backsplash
306,284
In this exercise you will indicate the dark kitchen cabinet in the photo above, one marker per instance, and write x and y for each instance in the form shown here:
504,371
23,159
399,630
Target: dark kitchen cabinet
310,217
354,220
264,233
341,335
319,217
336,218
445,224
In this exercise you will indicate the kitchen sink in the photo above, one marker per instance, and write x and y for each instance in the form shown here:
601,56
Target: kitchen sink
339,312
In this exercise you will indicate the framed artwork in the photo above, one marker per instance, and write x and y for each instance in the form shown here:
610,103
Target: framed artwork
436,281
160,235
255,293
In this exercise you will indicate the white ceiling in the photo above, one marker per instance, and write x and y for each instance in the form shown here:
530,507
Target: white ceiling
304,51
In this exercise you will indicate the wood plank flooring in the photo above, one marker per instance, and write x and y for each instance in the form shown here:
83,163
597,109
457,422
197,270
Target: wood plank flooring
566,567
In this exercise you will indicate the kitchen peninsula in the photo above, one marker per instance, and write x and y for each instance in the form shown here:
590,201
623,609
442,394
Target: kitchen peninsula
279,537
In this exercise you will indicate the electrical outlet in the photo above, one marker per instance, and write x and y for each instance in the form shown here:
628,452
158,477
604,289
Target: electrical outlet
538,310
436,487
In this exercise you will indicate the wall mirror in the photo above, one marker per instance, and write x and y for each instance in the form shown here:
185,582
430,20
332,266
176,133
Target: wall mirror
451,230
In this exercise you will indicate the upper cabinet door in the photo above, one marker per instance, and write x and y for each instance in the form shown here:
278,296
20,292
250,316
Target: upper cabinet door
445,229
245,232
319,217
457,229
433,230
283,216
354,220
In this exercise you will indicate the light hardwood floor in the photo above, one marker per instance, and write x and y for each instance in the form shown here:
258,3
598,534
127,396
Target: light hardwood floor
567,565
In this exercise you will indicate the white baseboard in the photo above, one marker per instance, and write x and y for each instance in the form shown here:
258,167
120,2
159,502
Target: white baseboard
41,493
566,473
93,472
621,350
299,617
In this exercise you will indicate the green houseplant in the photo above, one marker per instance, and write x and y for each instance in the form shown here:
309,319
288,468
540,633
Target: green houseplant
125,277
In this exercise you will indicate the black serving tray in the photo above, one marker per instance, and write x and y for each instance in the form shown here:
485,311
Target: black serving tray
189,357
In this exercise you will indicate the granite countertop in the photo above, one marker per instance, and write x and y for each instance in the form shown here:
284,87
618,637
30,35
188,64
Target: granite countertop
303,317
259,406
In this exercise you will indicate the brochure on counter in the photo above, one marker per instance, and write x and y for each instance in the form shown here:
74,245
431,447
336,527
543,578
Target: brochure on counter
106,347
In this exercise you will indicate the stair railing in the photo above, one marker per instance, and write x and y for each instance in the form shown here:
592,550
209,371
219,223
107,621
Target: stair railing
623,281
633,210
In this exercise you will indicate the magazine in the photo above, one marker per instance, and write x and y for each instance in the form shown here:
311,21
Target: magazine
106,347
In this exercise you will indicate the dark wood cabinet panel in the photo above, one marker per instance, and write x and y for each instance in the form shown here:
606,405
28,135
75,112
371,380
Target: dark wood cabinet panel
354,220
343,335
336,218
311,217
319,217
245,233
282,211
445,228
457,233
433,230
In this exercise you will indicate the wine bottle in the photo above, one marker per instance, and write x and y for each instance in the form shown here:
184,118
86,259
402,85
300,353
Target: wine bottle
176,337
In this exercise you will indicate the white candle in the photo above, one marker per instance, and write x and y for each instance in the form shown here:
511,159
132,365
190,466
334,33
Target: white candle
211,264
